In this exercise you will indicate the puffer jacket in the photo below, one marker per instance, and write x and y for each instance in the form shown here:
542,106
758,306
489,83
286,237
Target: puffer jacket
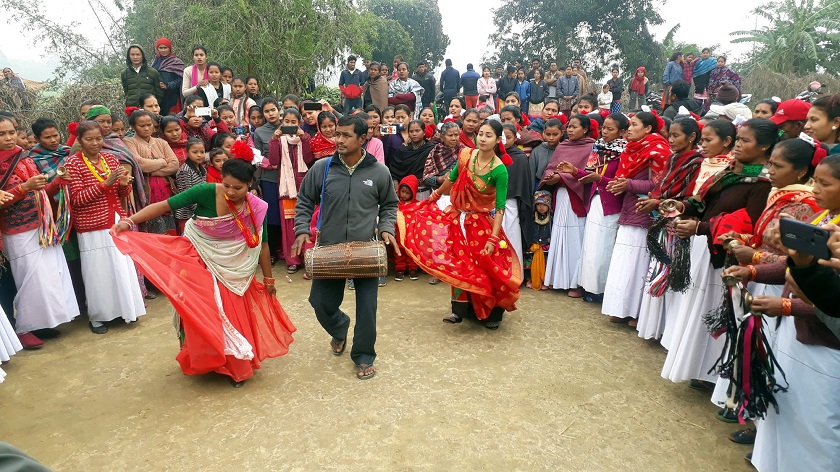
135,84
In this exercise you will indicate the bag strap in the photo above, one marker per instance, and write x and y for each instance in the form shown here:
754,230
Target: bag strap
11,170
323,186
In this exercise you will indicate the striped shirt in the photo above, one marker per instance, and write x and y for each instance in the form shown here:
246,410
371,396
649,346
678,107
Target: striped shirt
186,178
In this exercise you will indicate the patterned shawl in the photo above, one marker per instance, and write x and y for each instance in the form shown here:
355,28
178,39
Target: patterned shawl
652,150
779,201
441,159
680,176
603,152
170,63
114,145
723,74
47,162
399,87
322,146
704,65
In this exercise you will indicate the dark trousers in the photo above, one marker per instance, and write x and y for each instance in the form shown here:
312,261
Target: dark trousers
326,296
273,234
465,310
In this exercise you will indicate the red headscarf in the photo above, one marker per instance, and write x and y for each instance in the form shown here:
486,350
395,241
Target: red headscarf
637,84
653,150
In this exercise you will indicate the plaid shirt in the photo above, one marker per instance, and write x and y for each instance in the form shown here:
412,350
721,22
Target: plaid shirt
688,70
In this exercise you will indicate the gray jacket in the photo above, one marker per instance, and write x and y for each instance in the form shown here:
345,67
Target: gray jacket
352,203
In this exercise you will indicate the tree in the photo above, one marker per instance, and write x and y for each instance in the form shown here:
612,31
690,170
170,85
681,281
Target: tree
386,38
597,32
422,21
802,35
284,43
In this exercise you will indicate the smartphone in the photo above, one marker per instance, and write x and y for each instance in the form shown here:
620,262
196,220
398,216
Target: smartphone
312,106
203,111
387,129
239,130
289,129
805,238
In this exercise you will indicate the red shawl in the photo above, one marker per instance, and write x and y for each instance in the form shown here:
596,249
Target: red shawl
577,153
653,150
213,175
637,84
466,141
776,203
680,176
322,146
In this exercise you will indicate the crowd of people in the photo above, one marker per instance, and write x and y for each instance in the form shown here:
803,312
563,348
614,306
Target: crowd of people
492,182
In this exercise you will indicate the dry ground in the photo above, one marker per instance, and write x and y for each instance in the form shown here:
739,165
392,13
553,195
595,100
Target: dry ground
556,388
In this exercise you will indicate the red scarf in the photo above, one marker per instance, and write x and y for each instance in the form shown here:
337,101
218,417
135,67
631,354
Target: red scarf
651,151
213,175
466,141
680,176
322,146
777,201
638,83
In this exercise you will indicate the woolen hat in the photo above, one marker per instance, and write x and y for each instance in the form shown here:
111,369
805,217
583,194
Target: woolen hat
728,93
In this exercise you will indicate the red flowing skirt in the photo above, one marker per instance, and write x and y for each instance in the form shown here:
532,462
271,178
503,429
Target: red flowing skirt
174,266
435,240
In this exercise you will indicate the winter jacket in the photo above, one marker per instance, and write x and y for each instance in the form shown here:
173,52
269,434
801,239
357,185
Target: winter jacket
352,203
450,82
673,72
135,84
470,82
568,86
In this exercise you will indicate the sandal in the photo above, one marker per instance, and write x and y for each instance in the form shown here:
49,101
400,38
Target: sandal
334,343
727,415
492,325
453,319
744,436
593,298
366,371
701,385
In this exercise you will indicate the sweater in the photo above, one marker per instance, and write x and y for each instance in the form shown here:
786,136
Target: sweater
154,157
93,204
352,202
137,83
611,204
640,183
450,82
21,213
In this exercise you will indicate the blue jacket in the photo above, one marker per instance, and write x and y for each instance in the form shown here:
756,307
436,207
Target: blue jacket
469,80
568,86
450,82
673,72
523,89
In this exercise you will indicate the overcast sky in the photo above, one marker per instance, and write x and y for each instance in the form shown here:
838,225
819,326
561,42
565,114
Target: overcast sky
469,25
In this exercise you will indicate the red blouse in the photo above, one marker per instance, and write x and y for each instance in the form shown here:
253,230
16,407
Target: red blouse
94,205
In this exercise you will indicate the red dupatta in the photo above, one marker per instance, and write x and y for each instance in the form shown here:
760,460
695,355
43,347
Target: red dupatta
653,150
777,202
466,140
322,146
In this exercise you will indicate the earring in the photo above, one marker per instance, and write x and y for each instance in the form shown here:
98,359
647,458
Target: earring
833,128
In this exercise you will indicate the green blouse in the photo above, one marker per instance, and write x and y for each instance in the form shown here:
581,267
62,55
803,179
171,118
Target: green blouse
497,179
203,196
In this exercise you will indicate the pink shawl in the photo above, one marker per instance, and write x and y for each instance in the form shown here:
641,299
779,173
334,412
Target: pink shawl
194,76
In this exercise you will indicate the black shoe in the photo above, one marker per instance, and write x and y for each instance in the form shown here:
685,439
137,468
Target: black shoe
98,329
46,333
413,275
235,383
399,276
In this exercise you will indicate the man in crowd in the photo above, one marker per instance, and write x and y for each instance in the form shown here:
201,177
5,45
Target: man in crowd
790,117
469,81
450,83
371,209
551,76
535,64
505,85
568,89
350,83
426,80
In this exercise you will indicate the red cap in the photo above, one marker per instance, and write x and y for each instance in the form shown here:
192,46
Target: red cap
796,110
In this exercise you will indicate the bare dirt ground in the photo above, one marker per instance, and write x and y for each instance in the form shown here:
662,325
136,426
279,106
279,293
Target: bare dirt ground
557,388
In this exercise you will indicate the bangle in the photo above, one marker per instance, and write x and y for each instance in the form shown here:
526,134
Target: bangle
756,258
21,190
131,224
493,239
697,229
268,280
786,307
752,272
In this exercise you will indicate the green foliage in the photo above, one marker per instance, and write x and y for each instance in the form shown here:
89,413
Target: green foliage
325,92
598,32
282,42
420,20
802,35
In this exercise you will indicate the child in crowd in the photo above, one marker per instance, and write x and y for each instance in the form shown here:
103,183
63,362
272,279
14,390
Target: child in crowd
224,141
605,99
190,174
540,155
217,158
195,126
407,192
118,125
323,144
21,139
540,240
31,141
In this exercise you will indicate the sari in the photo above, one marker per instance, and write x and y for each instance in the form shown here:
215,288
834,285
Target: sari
236,325
448,244
795,200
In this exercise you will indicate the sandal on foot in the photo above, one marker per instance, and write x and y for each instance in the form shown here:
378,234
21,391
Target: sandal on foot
727,416
575,293
366,371
453,319
235,383
701,385
492,325
334,343
617,319
744,436
593,298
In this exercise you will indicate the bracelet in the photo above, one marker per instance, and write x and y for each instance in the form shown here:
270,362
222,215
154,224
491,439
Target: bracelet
756,258
268,281
752,272
493,239
131,224
786,306
697,229
21,190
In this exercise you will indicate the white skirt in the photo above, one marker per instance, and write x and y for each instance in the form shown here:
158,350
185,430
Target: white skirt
513,230
805,434
692,351
598,241
45,297
2,376
652,313
564,254
110,279
630,259
9,342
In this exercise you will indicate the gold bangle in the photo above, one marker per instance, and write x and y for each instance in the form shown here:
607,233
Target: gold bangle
756,257
786,307
752,272
269,280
